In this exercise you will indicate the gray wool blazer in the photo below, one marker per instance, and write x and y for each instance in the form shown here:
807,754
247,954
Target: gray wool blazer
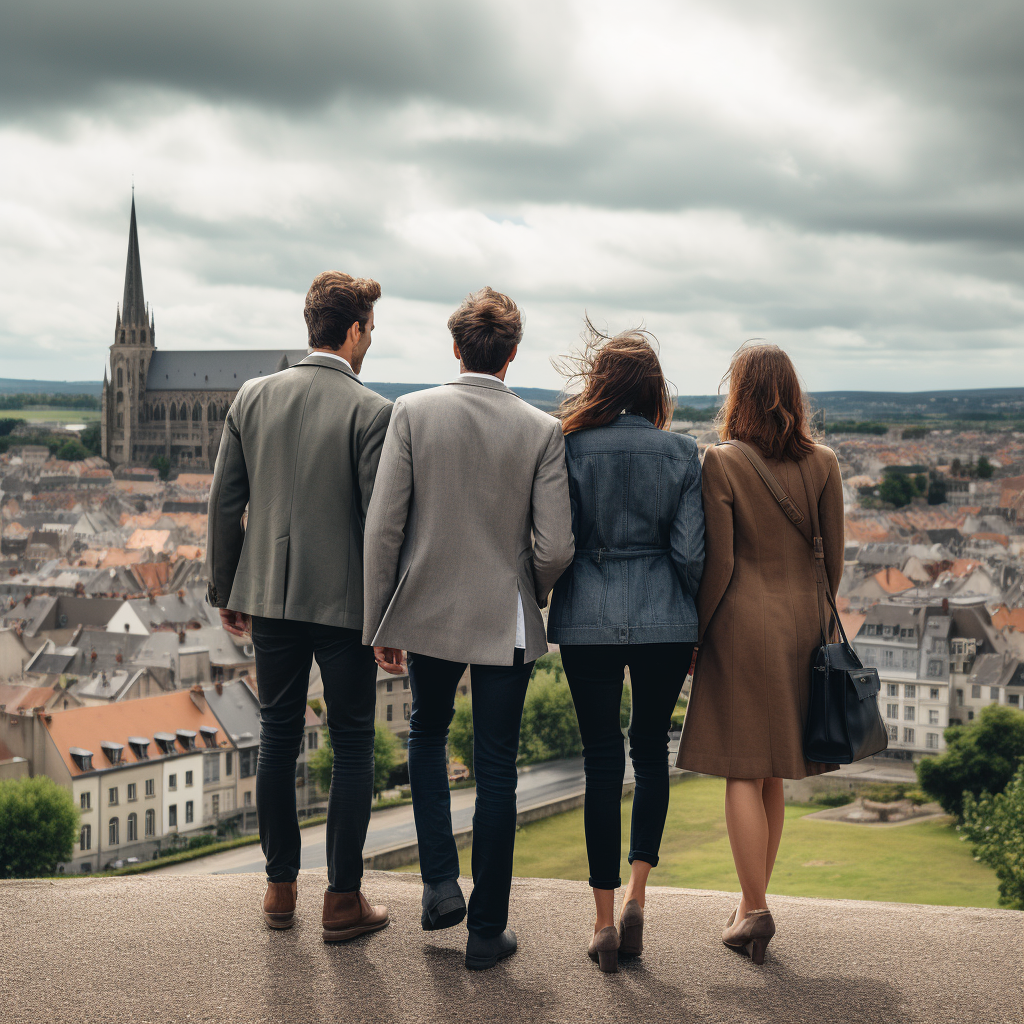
300,448
471,507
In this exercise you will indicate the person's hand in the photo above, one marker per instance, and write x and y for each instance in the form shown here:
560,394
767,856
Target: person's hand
391,659
236,623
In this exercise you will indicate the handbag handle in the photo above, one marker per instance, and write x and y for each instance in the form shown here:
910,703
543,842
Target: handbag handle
813,537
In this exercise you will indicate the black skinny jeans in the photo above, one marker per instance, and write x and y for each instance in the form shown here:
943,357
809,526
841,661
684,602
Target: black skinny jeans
595,674
284,655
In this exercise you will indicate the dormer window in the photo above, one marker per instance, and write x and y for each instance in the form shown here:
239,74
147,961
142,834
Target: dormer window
112,750
82,758
209,733
187,739
165,741
140,747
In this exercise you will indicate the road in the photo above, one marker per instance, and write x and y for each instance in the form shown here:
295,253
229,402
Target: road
394,826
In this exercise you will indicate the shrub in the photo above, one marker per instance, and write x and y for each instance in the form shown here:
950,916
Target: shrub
994,825
91,438
832,798
549,728
72,451
979,758
162,465
385,754
460,733
38,827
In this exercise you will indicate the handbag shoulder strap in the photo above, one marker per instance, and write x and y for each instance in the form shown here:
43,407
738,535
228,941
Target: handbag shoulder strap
785,501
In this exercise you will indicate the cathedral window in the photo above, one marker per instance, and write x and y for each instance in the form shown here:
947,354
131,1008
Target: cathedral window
120,396
120,380
197,412
142,335
174,413
122,337
183,412
120,419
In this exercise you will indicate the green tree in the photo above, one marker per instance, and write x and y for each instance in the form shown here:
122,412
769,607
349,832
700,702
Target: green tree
38,827
7,425
385,754
90,438
979,758
985,468
549,727
921,483
994,826
956,467
72,451
460,733
897,489
936,492
162,464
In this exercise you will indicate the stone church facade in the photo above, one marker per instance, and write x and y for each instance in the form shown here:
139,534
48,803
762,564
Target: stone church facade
169,403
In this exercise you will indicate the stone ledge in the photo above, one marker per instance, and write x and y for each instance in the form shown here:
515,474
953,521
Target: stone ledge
157,948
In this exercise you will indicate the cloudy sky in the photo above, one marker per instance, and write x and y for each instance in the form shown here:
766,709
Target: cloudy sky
843,179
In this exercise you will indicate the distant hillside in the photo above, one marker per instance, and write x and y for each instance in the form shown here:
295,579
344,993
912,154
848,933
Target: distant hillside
11,386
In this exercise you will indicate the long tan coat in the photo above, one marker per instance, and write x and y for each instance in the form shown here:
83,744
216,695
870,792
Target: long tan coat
759,625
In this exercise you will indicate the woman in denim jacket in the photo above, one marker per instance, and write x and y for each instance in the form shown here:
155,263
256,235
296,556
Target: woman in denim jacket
627,600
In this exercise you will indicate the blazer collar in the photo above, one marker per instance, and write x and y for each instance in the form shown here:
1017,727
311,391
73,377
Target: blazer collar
482,382
316,359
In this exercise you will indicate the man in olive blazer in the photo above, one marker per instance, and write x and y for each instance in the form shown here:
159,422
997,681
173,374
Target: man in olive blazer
468,530
300,450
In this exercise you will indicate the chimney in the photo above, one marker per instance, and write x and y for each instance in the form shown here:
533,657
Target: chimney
945,606
92,657
198,697
219,687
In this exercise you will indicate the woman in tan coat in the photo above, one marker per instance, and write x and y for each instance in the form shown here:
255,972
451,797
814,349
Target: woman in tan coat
758,619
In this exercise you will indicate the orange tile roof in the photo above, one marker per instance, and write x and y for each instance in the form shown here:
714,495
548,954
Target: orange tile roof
152,575
152,539
852,621
89,726
963,566
194,481
21,698
892,581
1012,618
999,538
866,531
116,556
191,551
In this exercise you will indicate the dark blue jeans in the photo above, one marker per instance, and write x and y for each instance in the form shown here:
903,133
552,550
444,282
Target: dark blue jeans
284,655
595,675
498,696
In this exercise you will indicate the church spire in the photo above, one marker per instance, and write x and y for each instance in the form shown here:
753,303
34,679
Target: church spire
133,306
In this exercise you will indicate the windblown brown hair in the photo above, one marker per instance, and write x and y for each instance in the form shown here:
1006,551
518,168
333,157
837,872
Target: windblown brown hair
765,406
486,327
334,302
616,373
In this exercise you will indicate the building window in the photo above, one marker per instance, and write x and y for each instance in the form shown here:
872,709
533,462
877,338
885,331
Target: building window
934,693
389,713
150,822
909,692
888,659
114,832
228,763
405,684
389,686
993,693
172,816
112,796
893,731
892,711
120,376
935,668
86,801
211,768
133,827
908,735
150,788
405,712
189,808
892,690
975,692
931,741
908,713
133,791
970,716
215,804
247,800
314,740
1013,700
960,698
933,717
172,781
85,838
188,778
247,762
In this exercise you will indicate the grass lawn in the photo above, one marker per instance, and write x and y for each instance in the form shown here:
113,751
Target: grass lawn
52,415
919,863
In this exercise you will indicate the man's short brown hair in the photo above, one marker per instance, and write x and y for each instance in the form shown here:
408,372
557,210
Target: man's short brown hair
486,327
334,302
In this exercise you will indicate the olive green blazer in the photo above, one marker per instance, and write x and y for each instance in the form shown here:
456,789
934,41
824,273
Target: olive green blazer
300,448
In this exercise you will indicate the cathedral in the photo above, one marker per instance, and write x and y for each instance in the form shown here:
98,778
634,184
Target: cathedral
169,403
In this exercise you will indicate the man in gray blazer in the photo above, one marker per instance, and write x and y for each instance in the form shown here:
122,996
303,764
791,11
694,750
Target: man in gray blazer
457,569
300,449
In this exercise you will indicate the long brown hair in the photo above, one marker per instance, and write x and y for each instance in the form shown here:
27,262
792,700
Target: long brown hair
765,406
617,373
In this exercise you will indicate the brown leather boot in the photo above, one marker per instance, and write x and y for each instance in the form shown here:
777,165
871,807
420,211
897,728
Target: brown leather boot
279,904
347,914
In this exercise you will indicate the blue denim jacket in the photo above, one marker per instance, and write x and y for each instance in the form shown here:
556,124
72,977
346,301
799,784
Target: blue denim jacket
638,522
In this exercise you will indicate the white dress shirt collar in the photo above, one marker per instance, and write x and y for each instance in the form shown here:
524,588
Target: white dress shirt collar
333,355
486,376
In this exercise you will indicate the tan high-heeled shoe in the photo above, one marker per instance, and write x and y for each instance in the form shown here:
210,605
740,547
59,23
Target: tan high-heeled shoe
631,929
752,935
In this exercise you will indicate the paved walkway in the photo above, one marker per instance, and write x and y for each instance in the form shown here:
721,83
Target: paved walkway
156,948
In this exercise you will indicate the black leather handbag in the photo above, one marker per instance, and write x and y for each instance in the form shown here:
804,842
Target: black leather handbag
843,721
